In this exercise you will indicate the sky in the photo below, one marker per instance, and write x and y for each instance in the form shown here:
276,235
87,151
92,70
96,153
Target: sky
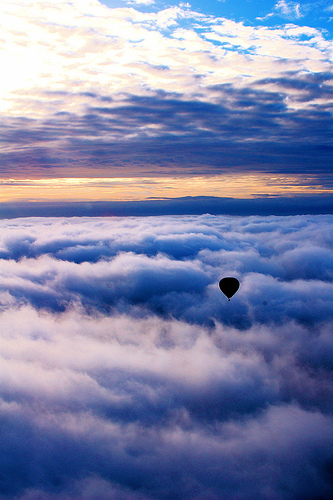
127,101
149,149
126,374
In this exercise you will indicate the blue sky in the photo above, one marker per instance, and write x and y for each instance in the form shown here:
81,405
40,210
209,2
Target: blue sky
318,14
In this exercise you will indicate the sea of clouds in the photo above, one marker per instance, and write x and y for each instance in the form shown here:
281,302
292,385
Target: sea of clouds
127,375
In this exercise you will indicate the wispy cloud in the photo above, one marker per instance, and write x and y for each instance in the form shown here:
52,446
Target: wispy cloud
288,9
139,2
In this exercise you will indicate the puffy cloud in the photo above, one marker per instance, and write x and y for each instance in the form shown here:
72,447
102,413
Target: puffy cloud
127,374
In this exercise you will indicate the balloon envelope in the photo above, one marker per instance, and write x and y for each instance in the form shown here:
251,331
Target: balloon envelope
229,286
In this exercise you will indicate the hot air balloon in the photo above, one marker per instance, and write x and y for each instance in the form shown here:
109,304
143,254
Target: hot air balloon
229,286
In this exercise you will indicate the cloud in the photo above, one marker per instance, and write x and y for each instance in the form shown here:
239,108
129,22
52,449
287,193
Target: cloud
127,374
306,12
140,2
288,9
163,134
125,92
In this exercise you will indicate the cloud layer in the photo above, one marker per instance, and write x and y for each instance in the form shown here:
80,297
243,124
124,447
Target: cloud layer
126,373
121,92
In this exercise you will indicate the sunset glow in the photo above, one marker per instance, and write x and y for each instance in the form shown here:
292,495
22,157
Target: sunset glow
142,188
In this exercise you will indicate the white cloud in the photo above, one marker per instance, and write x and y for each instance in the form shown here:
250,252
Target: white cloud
140,2
283,6
123,363
87,47
288,9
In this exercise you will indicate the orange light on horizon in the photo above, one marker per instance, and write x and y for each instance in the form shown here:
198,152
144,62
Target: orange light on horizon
142,188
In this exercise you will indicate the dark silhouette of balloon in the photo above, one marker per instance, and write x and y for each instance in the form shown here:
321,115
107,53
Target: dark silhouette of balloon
229,286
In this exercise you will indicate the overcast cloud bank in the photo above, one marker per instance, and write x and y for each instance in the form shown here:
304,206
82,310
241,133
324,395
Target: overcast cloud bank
126,374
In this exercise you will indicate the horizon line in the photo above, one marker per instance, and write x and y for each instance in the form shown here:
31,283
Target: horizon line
188,205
